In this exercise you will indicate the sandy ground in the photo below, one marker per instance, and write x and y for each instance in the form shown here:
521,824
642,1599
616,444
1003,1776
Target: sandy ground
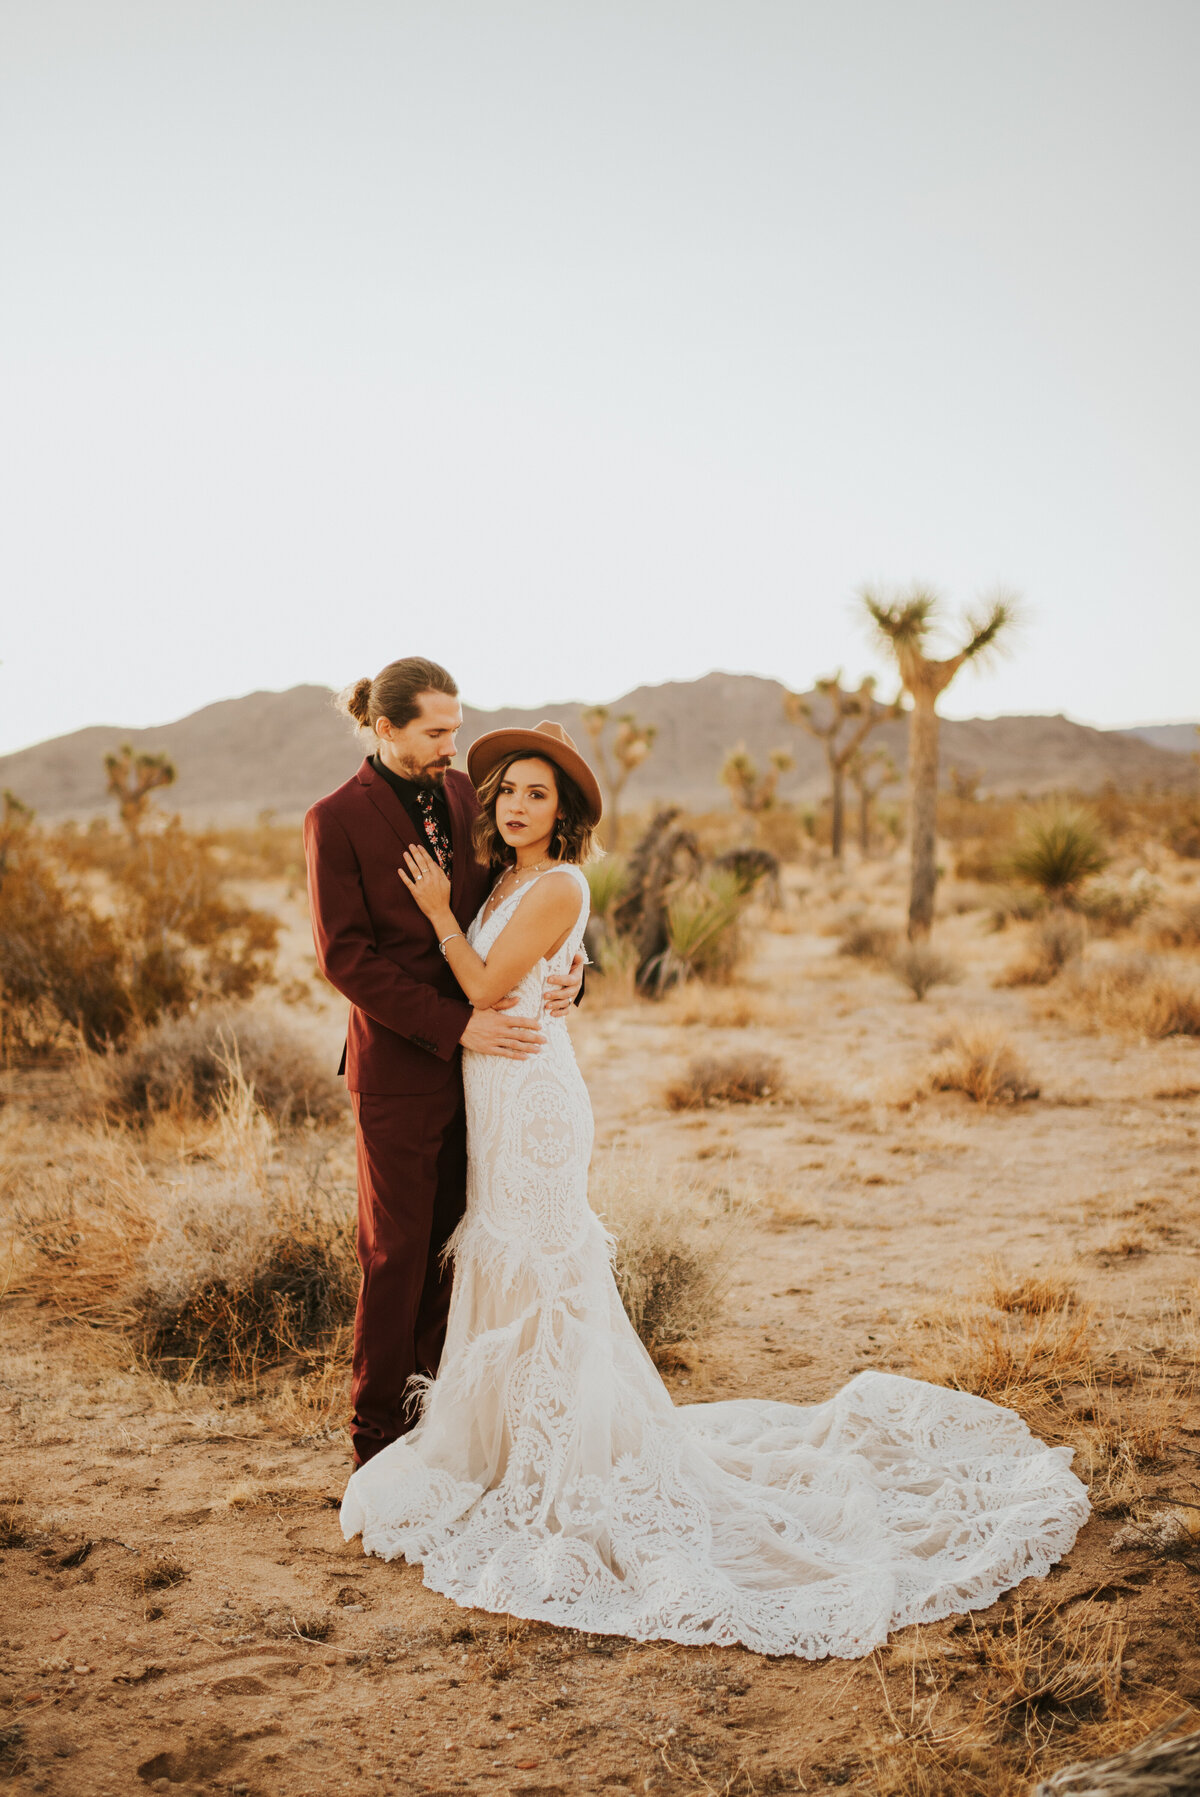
175,1554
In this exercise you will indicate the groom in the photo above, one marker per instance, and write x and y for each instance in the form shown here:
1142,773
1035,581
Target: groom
408,1021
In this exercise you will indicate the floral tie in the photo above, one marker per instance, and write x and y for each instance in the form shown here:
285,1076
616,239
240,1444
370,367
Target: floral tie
439,842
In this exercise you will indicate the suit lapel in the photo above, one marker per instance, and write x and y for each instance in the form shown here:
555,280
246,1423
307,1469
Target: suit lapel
387,804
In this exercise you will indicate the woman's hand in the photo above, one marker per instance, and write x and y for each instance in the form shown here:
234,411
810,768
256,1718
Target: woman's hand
426,881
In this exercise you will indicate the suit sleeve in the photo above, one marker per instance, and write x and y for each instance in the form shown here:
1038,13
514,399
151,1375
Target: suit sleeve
347,955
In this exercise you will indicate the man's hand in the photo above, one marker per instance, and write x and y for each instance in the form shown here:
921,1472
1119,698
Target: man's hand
516,1038
562,989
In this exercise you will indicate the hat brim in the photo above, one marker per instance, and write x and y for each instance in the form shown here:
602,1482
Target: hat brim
488,751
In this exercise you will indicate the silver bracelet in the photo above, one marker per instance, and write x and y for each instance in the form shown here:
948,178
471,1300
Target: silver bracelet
446,939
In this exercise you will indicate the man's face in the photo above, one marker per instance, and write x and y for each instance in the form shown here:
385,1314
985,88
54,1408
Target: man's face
422,749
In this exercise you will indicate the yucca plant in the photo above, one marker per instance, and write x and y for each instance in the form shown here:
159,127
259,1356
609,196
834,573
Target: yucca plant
906,627
702,931
1059,847
608,879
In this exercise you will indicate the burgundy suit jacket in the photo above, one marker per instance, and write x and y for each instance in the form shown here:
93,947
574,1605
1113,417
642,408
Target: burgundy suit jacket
407,1011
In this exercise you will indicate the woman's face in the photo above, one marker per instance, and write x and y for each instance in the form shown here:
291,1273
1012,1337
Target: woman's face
527,805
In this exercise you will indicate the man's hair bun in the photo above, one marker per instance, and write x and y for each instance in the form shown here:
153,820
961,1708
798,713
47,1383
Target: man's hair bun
357,700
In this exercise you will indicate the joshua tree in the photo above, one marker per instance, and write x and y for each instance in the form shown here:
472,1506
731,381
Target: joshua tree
751,791
841,723
905,626
631,744
869,774
132,777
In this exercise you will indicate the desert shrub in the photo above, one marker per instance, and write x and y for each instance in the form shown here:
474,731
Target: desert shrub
753,869
58,958
186,938
1183,836
1056,941
1110,908
865,940
1176,926
1014,904
266,850
726,1079
1058,847
237,1276
1139,993
232,1259
674,1243
979,1060
183,1063
100,932
920,967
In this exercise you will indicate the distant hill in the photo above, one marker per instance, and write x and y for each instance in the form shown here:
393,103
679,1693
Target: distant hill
280,751
1183,738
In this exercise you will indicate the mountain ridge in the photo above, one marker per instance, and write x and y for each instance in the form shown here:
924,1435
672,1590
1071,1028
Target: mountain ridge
280,751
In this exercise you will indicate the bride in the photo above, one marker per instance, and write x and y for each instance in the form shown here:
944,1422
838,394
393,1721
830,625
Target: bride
550,1476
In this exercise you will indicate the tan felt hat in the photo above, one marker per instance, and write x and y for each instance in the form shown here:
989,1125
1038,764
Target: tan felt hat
546,739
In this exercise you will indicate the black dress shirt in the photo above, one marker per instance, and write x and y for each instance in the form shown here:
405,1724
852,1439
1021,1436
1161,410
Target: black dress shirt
407,792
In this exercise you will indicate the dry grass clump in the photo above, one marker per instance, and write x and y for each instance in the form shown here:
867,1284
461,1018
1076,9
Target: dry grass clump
248,1270
161,1575
726,1079
1110,908
863,939
920,967
1022,1361
1140,994
1014,904
1056,942
1176,926
673,1247
228,1259
183,1065
1053,1664
1027,1293
980,1060
14,1528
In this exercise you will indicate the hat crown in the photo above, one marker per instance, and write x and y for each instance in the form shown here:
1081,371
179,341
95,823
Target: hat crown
549,728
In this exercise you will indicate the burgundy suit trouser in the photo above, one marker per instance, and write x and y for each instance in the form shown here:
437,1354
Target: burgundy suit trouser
412,1191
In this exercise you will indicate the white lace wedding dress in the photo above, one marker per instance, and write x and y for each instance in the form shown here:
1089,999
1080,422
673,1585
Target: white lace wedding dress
551,1477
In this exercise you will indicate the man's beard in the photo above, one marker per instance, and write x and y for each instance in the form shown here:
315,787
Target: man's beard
433,774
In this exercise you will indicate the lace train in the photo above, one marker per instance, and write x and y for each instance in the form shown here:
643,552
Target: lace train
551,1477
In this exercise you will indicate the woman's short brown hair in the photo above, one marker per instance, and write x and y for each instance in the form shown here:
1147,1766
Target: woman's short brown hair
572,838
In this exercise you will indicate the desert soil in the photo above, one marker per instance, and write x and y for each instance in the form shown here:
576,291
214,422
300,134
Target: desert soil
867,1212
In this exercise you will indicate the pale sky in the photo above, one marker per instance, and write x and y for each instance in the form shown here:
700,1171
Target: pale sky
581,345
